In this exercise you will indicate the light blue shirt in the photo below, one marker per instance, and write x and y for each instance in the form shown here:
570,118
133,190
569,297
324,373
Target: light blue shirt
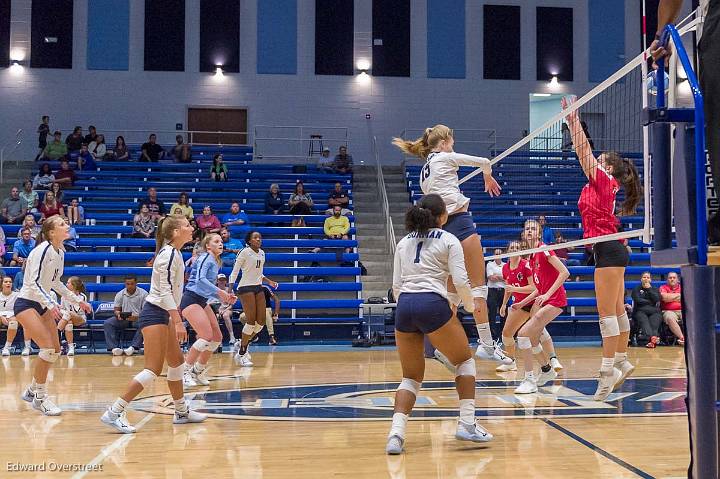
203,277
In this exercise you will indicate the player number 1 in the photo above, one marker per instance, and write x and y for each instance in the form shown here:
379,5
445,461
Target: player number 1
417,252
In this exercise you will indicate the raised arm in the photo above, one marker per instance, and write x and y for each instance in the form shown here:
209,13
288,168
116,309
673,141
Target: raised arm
491,185
584,152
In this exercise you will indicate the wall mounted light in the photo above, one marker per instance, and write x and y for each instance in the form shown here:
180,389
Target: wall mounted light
16,68
363,64
554,84
17,55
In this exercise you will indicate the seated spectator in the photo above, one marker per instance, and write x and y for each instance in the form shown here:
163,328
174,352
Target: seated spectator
183,204
91,136
57,189
30,196
336,227
342,163
74,140
231,248
75,212
300,203
50,207
29,223
98,148
128,304
22,248
156,207
85,159
547,233
13,208
70,243
273,200
671,306
121,151
563,254
236,221
55,149
207,222
325,163
223,311
298,222
218,171
44,179
3,249
143,223
338,197
181,151
43,131
151,151
65,176
18,278
646,311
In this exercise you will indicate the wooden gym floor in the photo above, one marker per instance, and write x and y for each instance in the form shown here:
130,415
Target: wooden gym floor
324,413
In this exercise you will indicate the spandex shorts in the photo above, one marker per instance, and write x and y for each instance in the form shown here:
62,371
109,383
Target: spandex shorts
611,254
421,312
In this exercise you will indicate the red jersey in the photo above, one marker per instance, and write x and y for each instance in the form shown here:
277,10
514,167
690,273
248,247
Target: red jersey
671,305
544,275
597,205
517,277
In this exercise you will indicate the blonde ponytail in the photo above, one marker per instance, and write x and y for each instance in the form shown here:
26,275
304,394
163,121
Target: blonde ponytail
422,146
165,229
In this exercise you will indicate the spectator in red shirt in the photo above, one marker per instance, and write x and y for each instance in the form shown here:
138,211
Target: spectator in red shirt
65,176
563,254
207,222
50,207
670,294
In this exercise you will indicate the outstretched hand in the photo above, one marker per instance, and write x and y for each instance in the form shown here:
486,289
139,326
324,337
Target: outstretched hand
492,187
566,102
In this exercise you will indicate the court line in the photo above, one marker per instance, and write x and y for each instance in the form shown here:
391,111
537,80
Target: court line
107,451
597,449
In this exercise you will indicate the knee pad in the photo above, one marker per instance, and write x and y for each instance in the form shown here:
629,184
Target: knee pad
12,324
523,342
145,378
49,355
201,345
466,368
480,292
609,326
214,345
454,299
544,336
69,327
258,327
243,317
248,329
508,341
176,373
410,385
537,349
623,323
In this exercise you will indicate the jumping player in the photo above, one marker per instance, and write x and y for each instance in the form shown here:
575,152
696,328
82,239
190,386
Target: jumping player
424,260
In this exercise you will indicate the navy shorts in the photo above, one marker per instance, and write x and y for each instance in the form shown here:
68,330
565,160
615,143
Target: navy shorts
421,312
255,289
22,304
611,254
190,297
461,225
151,315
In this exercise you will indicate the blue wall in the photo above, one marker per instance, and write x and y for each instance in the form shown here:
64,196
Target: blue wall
277,36
606,38
108,33
446,38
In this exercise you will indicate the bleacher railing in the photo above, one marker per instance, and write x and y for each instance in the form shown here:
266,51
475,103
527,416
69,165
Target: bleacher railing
7,150
390,242
298,143
167,137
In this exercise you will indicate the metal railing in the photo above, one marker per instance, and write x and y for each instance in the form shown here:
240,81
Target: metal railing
164,137
390,241
7,150
298,143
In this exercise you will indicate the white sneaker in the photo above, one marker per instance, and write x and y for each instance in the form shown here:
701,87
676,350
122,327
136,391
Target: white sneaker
606,382
527,386
117,421
6,351
188,416
25,351
46,406
189,379
555,364
504,368
444,361
394,445
236,346
71,349
28,395
243,360
472,432
117,352
492,352
201,377
129,351
626,368
547,377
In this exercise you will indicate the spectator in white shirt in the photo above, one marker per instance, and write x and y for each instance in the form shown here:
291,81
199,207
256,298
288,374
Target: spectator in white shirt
496,291
97,148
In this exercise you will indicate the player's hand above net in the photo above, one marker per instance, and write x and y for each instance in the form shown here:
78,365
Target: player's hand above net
566,102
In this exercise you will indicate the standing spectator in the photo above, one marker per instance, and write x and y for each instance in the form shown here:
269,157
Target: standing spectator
13,208
143,223
29,223
338,197
671,305
43,131
50,207
273,200
300,203
496,291
75,212
98,148
22,248
218,171
65,176
85,159
231,248
156,207
57,190
646,311
121,151
236,221
207,222
30,196
151,151
91,136
55,149
547,233
181,150
325,162
128,304
70,243
74,140
563,254
44,179
343,162
183,204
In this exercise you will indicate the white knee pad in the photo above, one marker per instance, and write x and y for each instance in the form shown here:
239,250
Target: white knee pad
410,385
214,345
609,326
508,341
69,327
243,317
454,299
623,323
523,342
248,329
49,355
537,349
201,345
176,373
12,324
258,327
466,368
145,378
480,292
544,336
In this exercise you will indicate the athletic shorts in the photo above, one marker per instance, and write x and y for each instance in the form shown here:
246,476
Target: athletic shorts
421,312
255,288
22,304
461,225
611,254
190,297
151,315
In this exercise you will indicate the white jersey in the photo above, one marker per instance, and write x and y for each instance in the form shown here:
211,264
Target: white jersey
424,262
7,303
440,176
44,268
74,309
251,264
168,277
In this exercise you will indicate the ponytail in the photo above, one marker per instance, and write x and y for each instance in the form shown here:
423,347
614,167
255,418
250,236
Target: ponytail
165,229
425,215
77,284
422,146
630,181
